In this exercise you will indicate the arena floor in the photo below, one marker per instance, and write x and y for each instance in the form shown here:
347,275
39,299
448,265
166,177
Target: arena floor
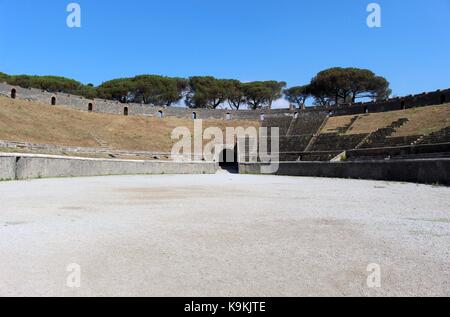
223,235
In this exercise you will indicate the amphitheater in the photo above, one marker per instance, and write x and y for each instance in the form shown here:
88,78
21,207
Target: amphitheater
356,185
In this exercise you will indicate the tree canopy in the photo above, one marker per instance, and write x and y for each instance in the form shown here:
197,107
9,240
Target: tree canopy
236,96
206,92
148,89
342,85
298,95
52,84
3,77
332,86
262,93
158,90
120,89
209,92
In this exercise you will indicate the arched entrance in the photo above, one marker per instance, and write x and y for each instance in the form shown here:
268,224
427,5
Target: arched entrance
90,107
194,116
53,102
443,99
228,160
13,93
160,114
125,111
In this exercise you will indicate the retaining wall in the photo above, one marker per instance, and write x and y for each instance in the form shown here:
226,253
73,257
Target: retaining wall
49,149
19,167
428,171
399,151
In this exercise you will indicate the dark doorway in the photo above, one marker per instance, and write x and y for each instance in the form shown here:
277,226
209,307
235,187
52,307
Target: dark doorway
90,107
13,93
366,109
160,114
443,99
194,116
229,160
125,111
53,101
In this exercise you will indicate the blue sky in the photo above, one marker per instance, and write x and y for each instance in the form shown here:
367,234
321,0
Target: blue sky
289,40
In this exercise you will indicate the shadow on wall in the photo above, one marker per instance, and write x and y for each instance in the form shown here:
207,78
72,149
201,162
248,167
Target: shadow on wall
229,160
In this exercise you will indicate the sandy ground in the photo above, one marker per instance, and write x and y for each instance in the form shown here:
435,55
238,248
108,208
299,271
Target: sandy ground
223,235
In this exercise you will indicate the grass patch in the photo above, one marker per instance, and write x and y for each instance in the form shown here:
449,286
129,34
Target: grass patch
33,122
422,121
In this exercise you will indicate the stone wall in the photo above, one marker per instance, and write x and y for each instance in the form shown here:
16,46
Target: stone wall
428,171
7,168
437,97
26,166
112,107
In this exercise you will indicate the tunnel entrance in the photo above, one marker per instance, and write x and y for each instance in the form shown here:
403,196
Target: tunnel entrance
13,93
90,107
53,102
125,111
228,160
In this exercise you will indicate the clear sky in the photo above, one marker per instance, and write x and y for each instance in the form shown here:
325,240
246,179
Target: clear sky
289,40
